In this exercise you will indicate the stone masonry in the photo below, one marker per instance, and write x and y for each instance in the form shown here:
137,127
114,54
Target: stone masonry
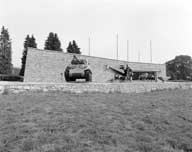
49,66
132,87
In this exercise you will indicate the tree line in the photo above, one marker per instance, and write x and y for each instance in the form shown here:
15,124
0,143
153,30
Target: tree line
51,43
179,68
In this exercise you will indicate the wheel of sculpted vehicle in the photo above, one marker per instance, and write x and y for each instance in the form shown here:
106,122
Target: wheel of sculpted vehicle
67,74
78,69
88,75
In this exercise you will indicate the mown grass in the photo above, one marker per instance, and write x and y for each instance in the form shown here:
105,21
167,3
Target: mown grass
56,122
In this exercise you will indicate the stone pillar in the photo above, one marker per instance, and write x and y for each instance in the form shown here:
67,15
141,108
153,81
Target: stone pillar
156,76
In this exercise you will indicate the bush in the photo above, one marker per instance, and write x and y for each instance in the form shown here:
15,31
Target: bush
180,68
4,77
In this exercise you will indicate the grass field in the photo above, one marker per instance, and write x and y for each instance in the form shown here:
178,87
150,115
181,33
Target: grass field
56,122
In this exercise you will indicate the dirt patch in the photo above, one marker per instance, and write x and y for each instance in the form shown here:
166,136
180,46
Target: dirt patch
56,122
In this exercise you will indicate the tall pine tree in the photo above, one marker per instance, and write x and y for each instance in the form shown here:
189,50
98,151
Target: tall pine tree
70,48
5,52
53,42
29,42
76,48
73,48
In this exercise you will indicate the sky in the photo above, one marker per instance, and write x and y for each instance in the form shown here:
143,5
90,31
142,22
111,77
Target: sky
167,23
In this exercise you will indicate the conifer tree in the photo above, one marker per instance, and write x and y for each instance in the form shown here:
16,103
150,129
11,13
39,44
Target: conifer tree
29,42
73,48
76,48
5,52
70,48
53,42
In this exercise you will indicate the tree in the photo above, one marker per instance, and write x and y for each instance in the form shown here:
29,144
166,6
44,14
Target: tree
73,48
5,52
29,42
76,48
53,42
180,68
70,48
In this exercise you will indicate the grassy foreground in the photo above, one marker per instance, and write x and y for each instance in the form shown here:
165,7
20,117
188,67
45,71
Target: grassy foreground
56,122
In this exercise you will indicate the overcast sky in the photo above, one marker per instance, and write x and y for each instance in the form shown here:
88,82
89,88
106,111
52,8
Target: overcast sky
168,23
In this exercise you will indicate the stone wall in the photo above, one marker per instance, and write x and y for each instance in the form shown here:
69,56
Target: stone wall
92,87
49,66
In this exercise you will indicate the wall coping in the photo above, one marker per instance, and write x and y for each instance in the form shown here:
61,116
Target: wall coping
6,88
7,83
56,52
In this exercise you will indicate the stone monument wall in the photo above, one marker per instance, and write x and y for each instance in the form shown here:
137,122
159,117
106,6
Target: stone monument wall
49,66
